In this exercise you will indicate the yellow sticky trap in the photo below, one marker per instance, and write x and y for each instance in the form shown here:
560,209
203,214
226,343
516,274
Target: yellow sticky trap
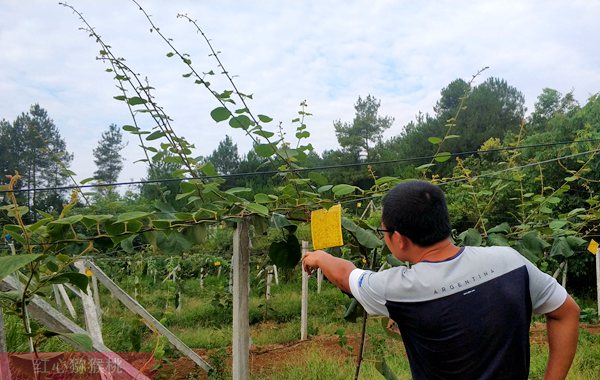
326,227
88,272
593,247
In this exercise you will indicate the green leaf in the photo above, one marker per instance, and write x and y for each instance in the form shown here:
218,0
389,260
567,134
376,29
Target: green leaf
471,237
285,254
317,178
82,341
241,121
209,169
261,198
136,100
78,279
532,246
383,368
170,54
501,228
127,245
424,166
10,264
561,247
264,118
155,135
130,128
343,189
235,190
257,208
557,224
575,241
325,188
280,221
451,137
264,150
434,140
393,261
69,220
86,180
353,311
443,156
220,114
498,239
132,215
263,133
364,237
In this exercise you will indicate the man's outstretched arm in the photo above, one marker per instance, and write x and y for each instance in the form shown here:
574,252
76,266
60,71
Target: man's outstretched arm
335,269
562,325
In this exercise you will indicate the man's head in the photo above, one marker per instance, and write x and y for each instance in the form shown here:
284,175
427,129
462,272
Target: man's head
417,210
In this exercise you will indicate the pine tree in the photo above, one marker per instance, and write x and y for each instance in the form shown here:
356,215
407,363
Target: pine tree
108,159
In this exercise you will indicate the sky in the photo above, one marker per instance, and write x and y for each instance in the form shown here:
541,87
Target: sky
327,52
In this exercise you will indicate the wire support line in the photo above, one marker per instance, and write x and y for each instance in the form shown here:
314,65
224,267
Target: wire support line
297,170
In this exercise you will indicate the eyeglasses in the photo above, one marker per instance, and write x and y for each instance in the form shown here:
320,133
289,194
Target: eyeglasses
380,232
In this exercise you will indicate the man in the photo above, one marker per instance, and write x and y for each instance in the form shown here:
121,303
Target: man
464,313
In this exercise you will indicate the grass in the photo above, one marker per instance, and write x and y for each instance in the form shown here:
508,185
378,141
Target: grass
204,322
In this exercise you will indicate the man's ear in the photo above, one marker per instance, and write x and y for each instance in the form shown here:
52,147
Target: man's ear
401,241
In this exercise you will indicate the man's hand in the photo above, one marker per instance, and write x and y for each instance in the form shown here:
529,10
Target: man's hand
310,260
336,270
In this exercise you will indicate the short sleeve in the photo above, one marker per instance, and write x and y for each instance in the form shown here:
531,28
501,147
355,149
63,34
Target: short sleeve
546,293
369,290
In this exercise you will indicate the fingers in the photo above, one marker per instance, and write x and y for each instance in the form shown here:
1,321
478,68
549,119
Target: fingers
307,264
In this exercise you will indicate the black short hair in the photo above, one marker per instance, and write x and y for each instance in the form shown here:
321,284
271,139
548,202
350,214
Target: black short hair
417,210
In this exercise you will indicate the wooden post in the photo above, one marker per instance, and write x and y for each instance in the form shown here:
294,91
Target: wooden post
304,306
201,278
269,280
276,274
598,278
241,325
319,279
564,275
89,307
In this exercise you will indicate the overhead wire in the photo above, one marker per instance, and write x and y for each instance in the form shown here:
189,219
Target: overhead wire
317,168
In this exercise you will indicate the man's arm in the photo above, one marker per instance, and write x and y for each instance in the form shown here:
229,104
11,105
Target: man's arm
562,326
335,269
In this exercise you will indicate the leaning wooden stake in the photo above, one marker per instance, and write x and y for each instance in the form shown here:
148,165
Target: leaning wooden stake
304,306
148,319
241,325
89,307
54,320
65,297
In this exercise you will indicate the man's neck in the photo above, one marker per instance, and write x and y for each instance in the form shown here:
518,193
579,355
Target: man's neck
440,251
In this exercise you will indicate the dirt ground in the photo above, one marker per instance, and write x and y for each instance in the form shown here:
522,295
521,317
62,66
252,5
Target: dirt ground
270,358
264,359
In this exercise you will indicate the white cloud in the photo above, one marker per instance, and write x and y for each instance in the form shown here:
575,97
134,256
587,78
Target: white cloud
327,52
